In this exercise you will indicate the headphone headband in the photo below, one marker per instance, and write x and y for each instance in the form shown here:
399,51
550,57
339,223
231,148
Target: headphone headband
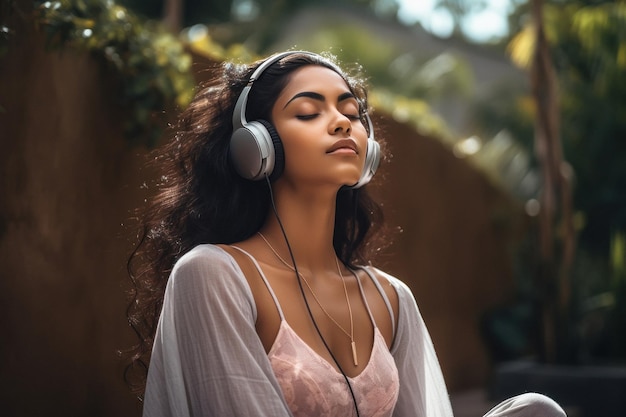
239,114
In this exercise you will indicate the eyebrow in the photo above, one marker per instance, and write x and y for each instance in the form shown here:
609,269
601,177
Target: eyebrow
316,96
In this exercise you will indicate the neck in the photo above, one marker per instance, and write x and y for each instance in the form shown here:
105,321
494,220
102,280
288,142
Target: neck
309,223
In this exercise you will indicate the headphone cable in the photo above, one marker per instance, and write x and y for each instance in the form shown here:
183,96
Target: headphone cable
306,302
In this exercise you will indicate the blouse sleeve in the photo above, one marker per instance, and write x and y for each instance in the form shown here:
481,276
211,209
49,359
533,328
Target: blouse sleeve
207,359
423,390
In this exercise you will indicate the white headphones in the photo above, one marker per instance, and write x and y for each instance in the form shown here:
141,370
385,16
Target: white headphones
256,149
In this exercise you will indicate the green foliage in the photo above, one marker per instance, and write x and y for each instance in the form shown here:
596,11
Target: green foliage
152,65
413,111
351,42
588,43
227,11
617,314
459,10
591,62
444,75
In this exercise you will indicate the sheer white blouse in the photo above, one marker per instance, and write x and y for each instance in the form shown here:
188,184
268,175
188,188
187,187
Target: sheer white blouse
208,360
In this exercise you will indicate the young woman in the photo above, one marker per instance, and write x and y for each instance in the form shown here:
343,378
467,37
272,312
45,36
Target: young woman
252,260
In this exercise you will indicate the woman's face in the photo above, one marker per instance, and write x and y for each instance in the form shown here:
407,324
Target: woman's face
317,118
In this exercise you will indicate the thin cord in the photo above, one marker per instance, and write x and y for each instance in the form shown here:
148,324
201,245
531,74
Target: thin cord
284,262
345,289
306,302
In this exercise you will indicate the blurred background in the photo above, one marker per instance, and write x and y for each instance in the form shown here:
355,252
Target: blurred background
504,183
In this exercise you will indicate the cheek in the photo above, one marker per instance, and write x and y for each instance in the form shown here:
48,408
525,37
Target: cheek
360,134
294,143
290,136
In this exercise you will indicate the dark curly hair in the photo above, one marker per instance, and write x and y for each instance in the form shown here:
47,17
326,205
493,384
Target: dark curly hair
201,199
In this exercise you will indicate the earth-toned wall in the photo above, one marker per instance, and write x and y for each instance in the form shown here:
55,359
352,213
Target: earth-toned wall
68,183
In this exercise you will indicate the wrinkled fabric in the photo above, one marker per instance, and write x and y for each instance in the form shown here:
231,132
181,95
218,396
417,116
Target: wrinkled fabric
527,405
208,360
312,386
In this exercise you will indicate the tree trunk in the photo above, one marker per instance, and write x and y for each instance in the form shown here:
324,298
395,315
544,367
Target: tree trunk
556,251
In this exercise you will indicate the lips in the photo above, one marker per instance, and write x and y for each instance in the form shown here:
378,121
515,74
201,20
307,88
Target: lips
343,144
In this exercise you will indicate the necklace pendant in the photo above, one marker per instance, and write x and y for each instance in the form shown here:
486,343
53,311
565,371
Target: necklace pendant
354,358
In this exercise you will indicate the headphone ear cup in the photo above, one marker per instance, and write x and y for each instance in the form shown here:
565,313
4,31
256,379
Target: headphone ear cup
254,149
279,152
372,160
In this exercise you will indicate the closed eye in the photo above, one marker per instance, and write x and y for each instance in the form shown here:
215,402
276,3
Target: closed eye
306,116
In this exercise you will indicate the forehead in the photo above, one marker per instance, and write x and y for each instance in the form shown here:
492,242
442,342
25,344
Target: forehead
314,78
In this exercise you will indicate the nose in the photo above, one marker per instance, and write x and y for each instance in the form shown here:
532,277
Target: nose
341,123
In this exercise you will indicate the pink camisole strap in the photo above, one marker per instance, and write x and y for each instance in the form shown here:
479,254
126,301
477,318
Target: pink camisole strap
313,387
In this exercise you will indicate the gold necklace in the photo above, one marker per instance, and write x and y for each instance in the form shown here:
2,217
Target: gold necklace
345,289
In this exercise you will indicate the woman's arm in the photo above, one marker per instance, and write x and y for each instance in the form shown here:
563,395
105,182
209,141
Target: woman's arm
207,359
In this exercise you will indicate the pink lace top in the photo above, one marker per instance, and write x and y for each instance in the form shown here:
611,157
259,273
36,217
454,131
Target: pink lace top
313,387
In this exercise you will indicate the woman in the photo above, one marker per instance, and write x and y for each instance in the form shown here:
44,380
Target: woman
259,233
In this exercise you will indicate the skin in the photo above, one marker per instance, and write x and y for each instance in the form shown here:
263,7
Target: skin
325,145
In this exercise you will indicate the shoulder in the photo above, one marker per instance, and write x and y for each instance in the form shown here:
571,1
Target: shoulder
206,255
206,260
207,266
397,292
390,284
410,324
400,296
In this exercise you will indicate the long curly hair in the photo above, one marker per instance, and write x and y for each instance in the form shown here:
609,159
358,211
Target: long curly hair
201,199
